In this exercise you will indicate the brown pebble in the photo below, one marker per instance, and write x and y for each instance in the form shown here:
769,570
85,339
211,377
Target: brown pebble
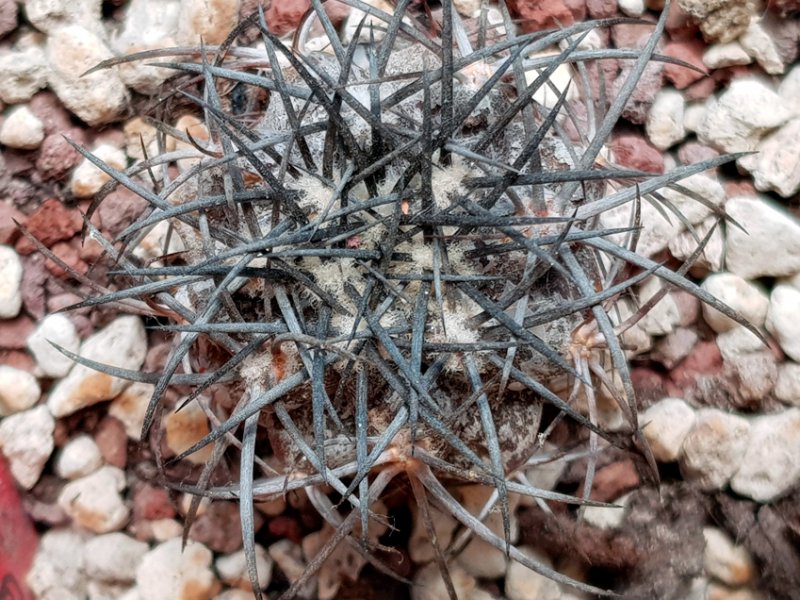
70,255
219,527
9,232
285,527
151,502
704,359
57,156
18,360
614,480
110,437
14,332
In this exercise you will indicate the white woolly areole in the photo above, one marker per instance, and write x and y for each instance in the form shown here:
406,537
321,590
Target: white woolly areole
448,182
314,193
456,322
332,275
264,369
421,257
372,237
255,369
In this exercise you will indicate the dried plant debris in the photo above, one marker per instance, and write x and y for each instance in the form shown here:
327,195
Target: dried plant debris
394,267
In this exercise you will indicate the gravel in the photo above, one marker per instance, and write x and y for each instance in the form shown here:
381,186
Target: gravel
736,441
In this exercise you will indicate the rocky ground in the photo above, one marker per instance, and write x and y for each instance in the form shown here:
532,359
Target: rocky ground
722,410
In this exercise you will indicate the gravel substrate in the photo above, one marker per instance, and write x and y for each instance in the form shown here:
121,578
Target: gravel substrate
721,410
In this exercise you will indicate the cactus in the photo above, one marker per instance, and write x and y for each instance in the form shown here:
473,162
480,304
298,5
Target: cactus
392,263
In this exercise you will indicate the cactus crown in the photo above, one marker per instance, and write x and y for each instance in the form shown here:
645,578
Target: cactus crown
390,264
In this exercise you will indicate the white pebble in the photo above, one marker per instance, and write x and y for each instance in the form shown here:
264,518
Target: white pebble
207,21
546,475
59,330
664,124
657,231
19,390
87,179
49,15
22,74
606,517
136,131
154,244
467,8
186,426
288,556
782,319
113,557
96,98
758,42
195,127
78,458
737,120
271,508
57,569
771,464
726,55
789,90
693,116
147,25
419,545
524,584
737,342
123,344
235,594
632,8
698,589
130,407
713,449
158,530
673,348
744,297
232,569
787,387
345,562
147,22
22,129
131,594
10,282
665,316
770,246
635,340
480,559
717,591
95,502
756,373
777,164
168,571
429,584
555,86
26,439
725,561
102,590
666,425
683,245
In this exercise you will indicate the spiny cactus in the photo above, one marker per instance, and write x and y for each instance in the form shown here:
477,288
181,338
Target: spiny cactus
392,264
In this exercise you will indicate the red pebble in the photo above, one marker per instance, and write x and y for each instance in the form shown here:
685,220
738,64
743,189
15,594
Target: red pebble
50,223
704,359
691,52
285,527
634,151
535,15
